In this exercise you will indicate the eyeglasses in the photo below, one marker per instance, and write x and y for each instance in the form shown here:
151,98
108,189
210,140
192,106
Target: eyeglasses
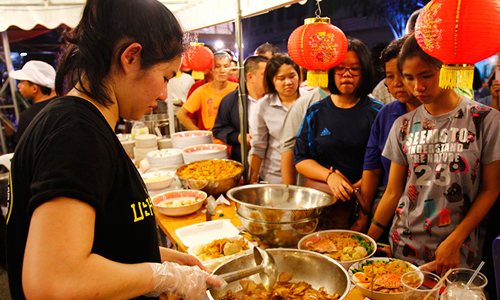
352,71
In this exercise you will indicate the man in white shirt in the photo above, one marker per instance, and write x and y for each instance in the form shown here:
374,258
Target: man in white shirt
227,123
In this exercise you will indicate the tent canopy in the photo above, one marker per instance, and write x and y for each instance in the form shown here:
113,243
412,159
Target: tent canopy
192,14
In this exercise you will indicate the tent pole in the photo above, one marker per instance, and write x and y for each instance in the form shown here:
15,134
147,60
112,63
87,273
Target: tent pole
12,84
241,93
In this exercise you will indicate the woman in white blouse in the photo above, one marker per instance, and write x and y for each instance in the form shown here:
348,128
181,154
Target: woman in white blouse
281,81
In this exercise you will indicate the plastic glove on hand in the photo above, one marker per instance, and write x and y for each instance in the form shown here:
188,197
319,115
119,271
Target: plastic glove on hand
186,282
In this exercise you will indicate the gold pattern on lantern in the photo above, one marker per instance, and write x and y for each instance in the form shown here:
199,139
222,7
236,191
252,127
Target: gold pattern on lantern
323,46
431,33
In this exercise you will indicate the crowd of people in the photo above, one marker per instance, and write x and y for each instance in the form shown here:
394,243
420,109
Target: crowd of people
418,169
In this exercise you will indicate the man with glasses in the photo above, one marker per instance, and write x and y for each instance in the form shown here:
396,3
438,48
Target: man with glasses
206,99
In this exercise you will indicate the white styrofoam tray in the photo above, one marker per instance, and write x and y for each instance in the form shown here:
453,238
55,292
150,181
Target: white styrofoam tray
213,263
204,233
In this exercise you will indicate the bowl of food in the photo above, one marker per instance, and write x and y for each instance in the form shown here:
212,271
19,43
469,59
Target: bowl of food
300,273
385,279
345,246
213,176
156,179
179,202
185,139
212,254
204,152
279,214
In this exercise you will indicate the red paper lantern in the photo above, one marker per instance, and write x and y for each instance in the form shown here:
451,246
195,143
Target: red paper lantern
198,58
460,33
317,46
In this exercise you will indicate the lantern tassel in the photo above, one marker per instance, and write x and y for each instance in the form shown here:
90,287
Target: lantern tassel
456,76
198,75
317,78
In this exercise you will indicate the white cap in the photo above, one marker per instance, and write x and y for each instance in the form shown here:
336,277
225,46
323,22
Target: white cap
36,71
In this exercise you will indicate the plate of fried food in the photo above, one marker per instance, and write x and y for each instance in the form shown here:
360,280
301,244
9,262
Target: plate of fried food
345,246
383,274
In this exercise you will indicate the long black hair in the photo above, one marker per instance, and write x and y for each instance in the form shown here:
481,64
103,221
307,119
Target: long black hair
367,82
106,29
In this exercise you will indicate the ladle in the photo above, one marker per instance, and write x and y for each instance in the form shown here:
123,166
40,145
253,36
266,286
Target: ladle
265,266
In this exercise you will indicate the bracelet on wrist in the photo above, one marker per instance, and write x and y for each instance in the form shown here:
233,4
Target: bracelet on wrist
378,224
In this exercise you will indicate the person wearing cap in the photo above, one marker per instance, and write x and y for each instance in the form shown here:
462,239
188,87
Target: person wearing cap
36,82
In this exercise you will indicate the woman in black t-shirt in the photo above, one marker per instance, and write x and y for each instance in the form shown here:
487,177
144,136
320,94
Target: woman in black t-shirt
80,223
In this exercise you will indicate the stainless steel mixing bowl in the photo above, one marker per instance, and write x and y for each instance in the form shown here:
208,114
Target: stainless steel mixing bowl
280,234
313,268
278,203
214,187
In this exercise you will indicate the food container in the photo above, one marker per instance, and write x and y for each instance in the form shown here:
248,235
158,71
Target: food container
214,187
155,179
307,240
206,232
157,123
160,201
278,213
278,203
464,275
213,263
313,268
165,158
204,152
185,139
378,295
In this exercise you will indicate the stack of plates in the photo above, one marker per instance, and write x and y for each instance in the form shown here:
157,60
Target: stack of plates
164,143
185,139
165,158
144,144
203,152
146,141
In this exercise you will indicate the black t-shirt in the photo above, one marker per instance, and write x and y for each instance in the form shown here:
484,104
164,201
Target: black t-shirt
71,151
29,114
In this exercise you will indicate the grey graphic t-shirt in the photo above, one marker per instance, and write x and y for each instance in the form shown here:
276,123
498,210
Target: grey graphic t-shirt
444,155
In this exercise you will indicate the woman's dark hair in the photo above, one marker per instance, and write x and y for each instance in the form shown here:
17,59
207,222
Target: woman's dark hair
272,67
106,29
392,51
411,49
367,82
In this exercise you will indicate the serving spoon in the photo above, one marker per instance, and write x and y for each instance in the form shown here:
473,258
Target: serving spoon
265,266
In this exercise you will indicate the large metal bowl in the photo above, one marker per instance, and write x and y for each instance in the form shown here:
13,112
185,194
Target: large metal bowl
313,268
279,203
214,187
280,234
